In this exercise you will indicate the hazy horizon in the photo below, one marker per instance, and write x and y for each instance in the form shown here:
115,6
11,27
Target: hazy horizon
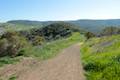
54,20
58,10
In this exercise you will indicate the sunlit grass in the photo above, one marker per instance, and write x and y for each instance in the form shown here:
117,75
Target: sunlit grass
103,64
51,49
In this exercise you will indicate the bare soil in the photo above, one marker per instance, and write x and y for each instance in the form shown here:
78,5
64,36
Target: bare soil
65,66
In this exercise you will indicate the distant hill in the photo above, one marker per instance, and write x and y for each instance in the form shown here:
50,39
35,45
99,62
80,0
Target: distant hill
96,25
30,23
90,25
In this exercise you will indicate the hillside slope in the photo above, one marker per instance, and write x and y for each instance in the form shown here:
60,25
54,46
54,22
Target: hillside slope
101,58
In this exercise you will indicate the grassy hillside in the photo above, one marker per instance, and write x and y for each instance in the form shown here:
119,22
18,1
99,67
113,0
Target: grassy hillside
46,51
51,49
101,58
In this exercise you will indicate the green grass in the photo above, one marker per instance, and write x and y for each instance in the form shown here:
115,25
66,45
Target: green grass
8,60
102,62
13,77
51,49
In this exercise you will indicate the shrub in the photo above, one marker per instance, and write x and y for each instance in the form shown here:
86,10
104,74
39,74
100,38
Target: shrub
3,47
38,40
89,35
11,44
94,66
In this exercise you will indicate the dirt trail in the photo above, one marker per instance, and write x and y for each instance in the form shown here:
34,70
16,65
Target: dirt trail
65,66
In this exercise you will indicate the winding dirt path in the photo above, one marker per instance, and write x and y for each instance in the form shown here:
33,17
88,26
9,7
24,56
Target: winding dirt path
65,66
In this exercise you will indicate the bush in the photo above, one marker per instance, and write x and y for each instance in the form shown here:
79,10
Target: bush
89,35
11,44
94,66
3,47
38,40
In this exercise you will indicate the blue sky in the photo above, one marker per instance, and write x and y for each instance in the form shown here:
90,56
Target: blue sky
44,10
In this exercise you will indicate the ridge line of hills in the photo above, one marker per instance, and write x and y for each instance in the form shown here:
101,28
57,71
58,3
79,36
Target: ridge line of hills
85,24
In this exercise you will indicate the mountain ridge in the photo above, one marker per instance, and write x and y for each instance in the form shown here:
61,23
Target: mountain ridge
92,25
